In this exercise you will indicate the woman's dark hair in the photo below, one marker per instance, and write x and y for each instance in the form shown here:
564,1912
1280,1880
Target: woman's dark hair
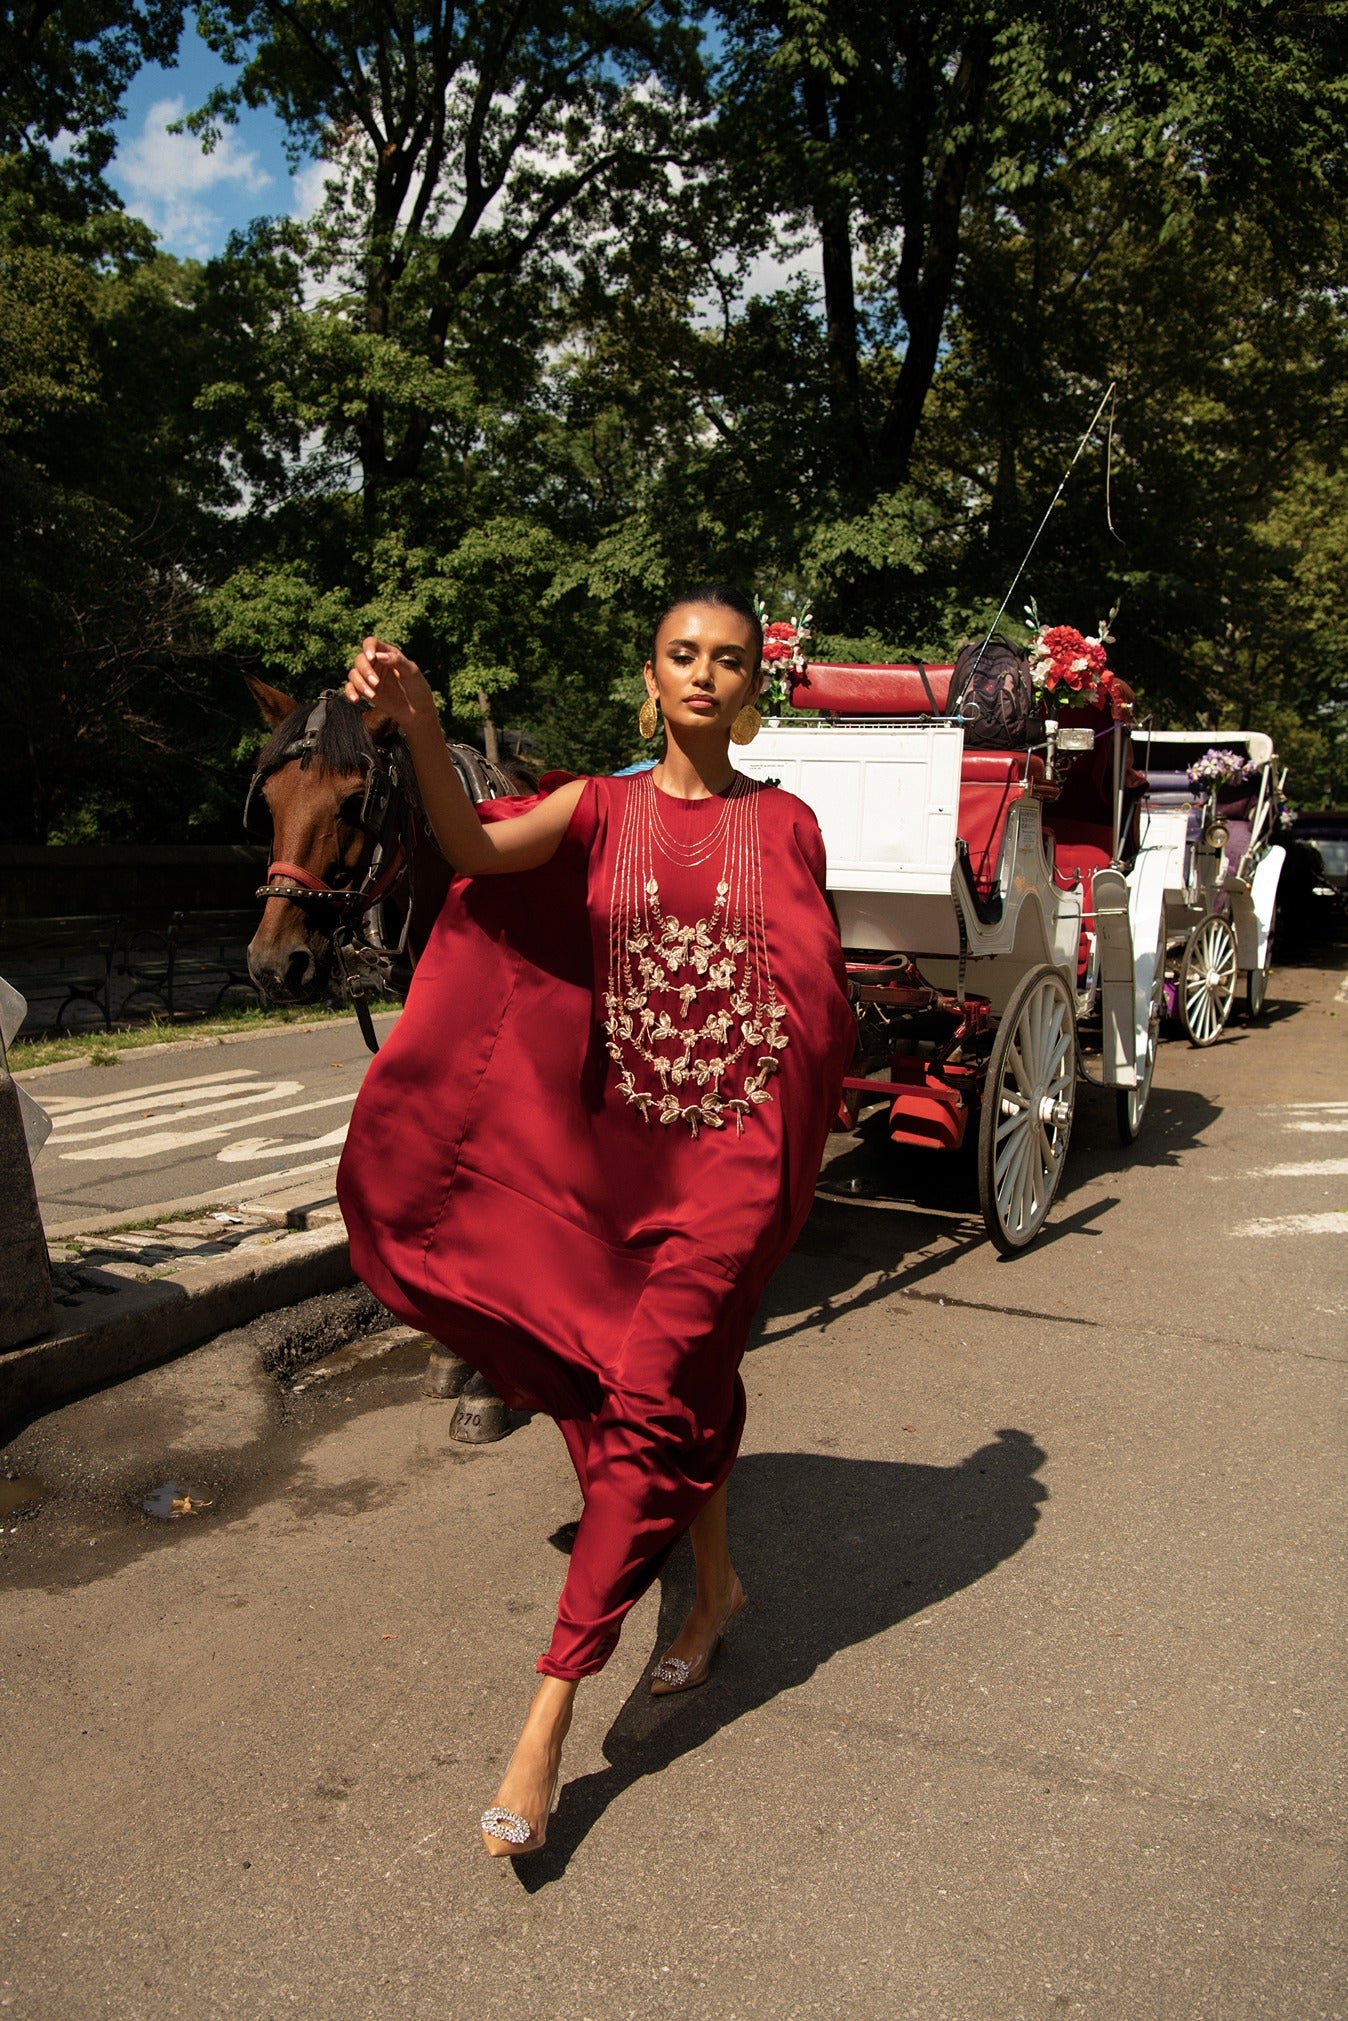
723,597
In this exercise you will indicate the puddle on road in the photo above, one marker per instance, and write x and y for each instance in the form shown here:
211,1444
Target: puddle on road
20,1491
83,1517
178,1498
364,1361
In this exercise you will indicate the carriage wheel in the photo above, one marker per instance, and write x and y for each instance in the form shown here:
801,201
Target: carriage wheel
1132,1102
1027,1110
1207,980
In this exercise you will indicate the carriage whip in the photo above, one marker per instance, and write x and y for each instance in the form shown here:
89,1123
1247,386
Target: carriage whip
1110,402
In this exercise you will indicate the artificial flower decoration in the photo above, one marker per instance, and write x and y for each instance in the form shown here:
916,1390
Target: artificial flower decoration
1061,656
783,653
1217,767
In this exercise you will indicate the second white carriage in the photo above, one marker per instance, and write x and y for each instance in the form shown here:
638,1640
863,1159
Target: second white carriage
1223,862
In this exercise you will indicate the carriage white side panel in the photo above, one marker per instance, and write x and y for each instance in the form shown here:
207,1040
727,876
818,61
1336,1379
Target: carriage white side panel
1252,906
887,800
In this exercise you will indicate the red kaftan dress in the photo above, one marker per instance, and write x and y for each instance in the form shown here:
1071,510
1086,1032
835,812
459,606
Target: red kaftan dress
501,1194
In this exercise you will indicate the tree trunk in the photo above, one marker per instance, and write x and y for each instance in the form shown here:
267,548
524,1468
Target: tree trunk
491,741
932,223
832,217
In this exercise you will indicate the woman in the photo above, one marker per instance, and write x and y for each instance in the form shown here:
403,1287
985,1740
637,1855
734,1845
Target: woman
595,1129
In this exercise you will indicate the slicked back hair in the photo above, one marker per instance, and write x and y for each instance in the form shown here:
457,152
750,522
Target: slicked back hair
721,596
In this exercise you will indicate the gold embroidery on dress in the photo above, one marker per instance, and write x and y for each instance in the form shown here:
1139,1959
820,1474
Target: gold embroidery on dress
661,968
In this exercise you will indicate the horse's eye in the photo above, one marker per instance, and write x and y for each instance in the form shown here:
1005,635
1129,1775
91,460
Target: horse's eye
350,809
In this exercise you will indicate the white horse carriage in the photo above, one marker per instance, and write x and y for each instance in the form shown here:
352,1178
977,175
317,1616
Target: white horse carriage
998,951
1211,807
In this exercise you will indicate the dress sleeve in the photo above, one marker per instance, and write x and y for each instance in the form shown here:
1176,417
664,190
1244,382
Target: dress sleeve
582,828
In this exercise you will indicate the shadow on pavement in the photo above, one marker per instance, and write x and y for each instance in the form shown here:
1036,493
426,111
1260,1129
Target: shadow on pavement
939,1190
1174,1126
832,1552
858,1256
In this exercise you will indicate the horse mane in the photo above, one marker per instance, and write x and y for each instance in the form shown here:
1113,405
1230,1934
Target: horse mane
344,743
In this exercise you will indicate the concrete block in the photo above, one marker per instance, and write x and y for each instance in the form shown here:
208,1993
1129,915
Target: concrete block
26,1309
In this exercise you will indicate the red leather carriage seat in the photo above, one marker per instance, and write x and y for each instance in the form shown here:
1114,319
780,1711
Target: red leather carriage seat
1081,849
990,781
870,691
1082,821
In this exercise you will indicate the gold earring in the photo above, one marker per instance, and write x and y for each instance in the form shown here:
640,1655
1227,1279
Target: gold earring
649,719
746,725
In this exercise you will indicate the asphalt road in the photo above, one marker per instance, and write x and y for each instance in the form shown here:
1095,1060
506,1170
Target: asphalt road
1037,1710
178,1121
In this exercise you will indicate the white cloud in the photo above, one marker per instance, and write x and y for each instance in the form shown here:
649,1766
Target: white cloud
780,266
167,178
773,270
308,186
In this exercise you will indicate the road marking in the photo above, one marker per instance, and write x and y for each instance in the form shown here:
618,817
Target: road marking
61,1105
267,1147
1296,1108
1320,1129
1298,1224
270,1091
1341,993
1313,1168
179,1140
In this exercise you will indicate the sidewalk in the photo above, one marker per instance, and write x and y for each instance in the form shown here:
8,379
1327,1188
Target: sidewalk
133,1292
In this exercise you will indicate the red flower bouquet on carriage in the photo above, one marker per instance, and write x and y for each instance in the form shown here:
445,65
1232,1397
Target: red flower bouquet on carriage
780,641
1061,656
783,654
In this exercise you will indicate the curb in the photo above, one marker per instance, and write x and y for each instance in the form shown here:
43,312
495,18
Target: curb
302,1205
26,1074
140,1324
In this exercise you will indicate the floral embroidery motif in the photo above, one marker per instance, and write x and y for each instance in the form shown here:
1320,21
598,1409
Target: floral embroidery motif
669,981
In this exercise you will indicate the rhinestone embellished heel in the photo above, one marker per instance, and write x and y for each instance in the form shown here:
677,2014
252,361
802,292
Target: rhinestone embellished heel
499,1823
673,1674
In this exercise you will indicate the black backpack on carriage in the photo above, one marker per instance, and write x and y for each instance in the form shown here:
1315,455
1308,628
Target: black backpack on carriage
991,685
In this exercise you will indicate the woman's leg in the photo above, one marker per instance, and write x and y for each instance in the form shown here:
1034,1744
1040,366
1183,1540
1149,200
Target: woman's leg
719,1593
529,1780
650,1458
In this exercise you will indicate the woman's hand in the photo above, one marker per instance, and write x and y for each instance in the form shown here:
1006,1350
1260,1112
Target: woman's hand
383,674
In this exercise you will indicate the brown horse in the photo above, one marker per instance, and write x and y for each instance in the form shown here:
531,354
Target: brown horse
356,881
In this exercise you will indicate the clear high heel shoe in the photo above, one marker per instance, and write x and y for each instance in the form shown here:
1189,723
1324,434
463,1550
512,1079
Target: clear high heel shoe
499,1823
673,1674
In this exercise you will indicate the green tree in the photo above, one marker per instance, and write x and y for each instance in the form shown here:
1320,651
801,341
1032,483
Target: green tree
64,69
883,130
387,390
118,723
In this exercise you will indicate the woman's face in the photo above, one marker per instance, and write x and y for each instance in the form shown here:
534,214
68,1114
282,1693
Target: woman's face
705,667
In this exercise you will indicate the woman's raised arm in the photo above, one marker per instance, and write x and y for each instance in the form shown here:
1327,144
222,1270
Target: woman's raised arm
396,685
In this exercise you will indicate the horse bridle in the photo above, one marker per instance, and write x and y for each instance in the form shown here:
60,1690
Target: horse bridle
385,806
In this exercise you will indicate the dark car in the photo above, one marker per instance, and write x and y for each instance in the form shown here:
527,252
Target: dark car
1313,889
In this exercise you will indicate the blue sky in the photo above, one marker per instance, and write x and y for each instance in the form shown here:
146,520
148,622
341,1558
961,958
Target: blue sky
192,199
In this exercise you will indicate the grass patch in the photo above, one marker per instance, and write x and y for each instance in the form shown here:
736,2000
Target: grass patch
104,1049
140,1227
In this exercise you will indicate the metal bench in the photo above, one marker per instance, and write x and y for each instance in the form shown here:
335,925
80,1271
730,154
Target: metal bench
210,949
62,963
